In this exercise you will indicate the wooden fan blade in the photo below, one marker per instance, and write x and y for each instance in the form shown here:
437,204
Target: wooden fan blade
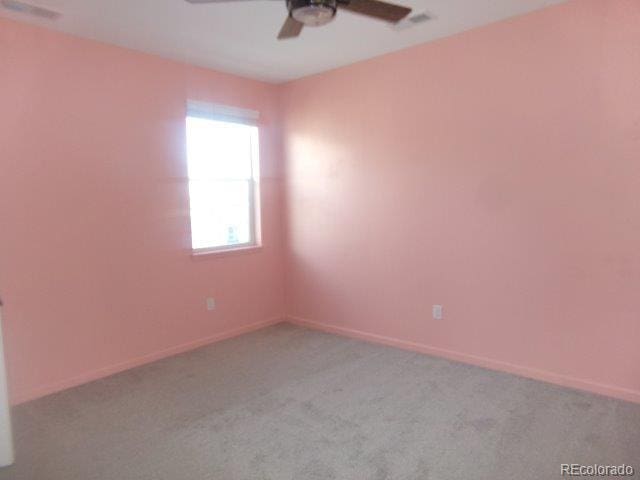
290,29
377,9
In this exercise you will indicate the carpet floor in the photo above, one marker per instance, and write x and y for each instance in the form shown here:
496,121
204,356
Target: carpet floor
287,403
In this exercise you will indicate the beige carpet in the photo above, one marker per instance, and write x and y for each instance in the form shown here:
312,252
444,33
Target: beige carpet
289,403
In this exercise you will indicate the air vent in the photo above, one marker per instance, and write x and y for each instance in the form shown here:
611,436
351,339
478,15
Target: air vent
27,9
412,21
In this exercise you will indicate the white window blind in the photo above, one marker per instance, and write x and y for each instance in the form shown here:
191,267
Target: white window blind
223,113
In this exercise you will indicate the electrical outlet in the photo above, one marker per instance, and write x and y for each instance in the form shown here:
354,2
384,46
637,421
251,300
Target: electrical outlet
211,304
437,312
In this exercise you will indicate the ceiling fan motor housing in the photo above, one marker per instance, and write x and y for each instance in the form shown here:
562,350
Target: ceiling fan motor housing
312,13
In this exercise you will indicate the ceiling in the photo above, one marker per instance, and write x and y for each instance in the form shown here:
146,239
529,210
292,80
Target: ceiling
240,37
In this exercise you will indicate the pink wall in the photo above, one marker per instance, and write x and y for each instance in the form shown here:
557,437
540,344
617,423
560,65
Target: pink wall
495,172
95,266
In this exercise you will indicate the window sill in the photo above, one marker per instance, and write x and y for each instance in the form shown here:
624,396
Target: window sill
205,253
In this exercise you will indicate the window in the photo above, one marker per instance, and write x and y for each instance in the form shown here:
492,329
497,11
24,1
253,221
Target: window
222,156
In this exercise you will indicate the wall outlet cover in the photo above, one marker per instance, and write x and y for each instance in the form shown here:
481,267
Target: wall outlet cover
211,303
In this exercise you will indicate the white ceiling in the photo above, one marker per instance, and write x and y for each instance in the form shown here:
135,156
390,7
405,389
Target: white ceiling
240,36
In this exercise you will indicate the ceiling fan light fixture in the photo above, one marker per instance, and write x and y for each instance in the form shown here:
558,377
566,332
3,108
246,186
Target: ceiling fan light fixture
312,13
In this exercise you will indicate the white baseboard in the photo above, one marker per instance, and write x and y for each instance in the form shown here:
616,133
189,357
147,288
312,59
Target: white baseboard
536,374
21,396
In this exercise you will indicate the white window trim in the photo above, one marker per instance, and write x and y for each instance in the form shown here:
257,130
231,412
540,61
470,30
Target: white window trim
230,114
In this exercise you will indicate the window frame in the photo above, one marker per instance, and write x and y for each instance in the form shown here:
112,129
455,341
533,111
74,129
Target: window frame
233,115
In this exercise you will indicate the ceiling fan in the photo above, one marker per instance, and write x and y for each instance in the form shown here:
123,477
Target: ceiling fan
314,13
